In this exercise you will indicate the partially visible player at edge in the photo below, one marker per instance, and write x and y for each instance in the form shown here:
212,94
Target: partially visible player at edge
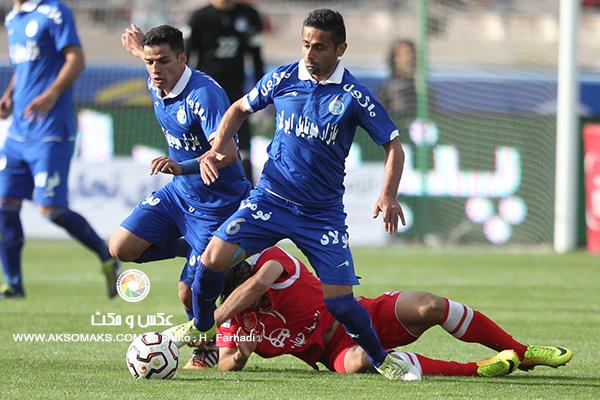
261,308
319,105
188,105
44,48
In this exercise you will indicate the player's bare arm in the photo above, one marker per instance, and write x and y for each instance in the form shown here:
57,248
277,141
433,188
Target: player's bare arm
74,64
234,359
249,292
387,202
217,157
132,40
6,101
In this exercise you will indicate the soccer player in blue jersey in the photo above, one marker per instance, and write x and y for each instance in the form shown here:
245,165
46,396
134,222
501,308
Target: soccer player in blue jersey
46,52
188,105
319,105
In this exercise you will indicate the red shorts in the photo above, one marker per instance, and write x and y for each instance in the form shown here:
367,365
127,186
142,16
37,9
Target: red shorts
390,331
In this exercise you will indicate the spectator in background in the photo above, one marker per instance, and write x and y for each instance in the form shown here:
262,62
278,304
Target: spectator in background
219,36
397,93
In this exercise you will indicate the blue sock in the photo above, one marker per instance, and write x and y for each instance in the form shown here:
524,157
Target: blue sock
80,229
207,287
357,322
190,313
11,244
164,250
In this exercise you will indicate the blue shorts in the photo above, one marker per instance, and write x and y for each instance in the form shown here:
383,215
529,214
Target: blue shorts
38,170
264,219
165,215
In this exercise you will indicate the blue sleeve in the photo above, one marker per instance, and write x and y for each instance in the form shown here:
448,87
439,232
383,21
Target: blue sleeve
211,103
261,94
373,117
62,28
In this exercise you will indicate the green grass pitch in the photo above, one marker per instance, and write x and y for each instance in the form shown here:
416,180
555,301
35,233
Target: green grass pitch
539,298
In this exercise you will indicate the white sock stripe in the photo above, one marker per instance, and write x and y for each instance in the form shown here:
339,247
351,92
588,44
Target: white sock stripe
415,361
409,358
403,356
465,324
455,315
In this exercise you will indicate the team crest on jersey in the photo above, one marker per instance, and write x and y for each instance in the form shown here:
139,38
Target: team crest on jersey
181,116
250,321
32,28
336,107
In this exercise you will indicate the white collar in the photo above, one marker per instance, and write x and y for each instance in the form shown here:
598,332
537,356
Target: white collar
27,6
336,77
179,86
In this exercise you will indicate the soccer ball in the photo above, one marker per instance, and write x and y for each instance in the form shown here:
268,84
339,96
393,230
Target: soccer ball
152,356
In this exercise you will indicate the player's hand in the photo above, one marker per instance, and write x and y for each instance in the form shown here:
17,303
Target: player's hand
165,165
391,212
133,41
246,344
5,106
40,106
208,166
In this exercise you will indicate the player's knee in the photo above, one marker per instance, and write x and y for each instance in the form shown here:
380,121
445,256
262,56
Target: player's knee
431,307
185,295
118,249
216,260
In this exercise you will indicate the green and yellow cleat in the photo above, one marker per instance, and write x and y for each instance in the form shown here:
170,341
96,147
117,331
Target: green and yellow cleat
111,269
549,356
501,364
8,292
397,369
185,333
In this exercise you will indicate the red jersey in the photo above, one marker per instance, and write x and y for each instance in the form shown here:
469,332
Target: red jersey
296,319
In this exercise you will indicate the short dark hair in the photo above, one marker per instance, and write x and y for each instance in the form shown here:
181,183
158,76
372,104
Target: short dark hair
328,20
234,277
165,34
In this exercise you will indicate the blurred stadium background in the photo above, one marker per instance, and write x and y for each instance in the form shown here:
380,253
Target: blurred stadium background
484,176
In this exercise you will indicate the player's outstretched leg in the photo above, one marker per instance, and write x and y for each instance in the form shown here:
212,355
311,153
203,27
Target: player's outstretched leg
357,322
11,245
470,325
79,228
501,364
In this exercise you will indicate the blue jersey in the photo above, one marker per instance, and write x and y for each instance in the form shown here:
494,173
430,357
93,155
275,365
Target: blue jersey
38,32
314,128
189,117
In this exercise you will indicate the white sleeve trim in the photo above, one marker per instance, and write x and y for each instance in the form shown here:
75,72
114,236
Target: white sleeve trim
394,135
246,104
289,281
212,136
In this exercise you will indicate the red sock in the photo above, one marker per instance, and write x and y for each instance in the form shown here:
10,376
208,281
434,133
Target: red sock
429,366
472,326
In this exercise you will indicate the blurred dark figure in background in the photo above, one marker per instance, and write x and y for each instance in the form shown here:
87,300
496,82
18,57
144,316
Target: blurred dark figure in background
397,93
219,36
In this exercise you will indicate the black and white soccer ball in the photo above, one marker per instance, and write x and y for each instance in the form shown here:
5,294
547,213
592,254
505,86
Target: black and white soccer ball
152,356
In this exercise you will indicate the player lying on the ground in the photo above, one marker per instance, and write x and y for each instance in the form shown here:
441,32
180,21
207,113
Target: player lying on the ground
274,306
